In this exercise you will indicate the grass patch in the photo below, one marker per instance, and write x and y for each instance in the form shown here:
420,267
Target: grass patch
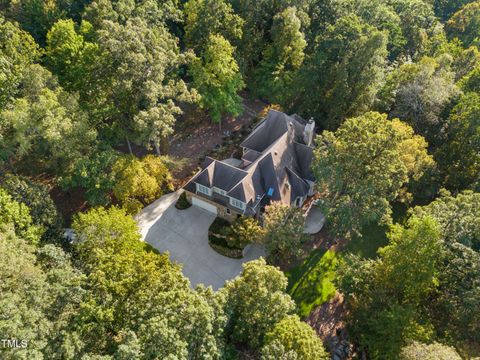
374,236
311,283
366,246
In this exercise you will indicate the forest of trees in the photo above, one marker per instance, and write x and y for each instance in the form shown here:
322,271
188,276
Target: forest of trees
394,88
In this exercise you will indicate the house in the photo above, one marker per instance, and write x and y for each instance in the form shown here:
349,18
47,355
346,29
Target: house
275,166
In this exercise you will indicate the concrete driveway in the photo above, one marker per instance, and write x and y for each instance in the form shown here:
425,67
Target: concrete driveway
314,220
184,234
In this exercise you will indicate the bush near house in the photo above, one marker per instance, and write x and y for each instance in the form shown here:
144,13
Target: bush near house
229,239
217,239
182,202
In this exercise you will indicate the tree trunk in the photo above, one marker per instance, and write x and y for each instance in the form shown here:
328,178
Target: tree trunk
129,145
157,147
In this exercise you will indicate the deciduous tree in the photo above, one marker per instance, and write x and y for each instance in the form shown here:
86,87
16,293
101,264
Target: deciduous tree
204,18
139,182
217,78
363,166
384,295
17,53
459,156
330,84
43,125
284,227
17,215
132,288
282,58
419,93
465,24
434,351
256,302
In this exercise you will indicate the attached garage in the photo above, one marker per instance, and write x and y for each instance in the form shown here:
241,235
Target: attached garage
204,205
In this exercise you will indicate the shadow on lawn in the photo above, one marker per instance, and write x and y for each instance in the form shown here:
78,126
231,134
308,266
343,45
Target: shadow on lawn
311,283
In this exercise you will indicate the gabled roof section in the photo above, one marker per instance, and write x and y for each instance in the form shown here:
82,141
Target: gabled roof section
217,174
270,129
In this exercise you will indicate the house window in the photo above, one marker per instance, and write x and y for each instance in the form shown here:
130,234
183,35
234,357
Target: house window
237,203
219,191
298,201
229,211
203,189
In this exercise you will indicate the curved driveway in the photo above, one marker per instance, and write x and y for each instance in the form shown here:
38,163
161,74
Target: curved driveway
184,235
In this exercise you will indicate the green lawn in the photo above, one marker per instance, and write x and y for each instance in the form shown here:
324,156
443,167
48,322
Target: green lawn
374,236
311,282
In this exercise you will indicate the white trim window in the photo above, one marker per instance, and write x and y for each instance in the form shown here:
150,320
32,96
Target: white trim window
219,191
298,201
237,203
204,190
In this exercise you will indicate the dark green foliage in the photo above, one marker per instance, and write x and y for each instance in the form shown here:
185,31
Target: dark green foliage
219,238
330,87
384,295
121,72
446,8
182,202
94,174
37,198
465,24
459,156
471,81
37,17
282,59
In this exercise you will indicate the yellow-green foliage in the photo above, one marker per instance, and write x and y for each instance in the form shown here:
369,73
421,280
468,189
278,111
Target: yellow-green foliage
293,336
244,231
138,182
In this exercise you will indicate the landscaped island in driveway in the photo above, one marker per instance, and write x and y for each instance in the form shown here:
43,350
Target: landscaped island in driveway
184,234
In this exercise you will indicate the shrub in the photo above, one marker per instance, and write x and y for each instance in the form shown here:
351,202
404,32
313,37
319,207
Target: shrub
218,233
244,231
182,202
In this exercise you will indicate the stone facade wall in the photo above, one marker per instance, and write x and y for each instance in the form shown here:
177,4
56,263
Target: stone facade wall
222,210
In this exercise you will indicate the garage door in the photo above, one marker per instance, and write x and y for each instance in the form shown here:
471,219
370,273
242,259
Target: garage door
204,205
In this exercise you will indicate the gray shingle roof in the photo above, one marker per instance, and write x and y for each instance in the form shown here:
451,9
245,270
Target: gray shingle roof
275,157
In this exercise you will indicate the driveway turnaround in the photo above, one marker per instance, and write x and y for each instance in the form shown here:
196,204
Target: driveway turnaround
184,235
314,220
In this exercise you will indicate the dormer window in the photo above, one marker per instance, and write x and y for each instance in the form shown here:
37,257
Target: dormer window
219,191
237,203
204,190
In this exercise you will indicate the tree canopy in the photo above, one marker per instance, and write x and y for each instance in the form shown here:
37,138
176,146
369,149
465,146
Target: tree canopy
363,166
